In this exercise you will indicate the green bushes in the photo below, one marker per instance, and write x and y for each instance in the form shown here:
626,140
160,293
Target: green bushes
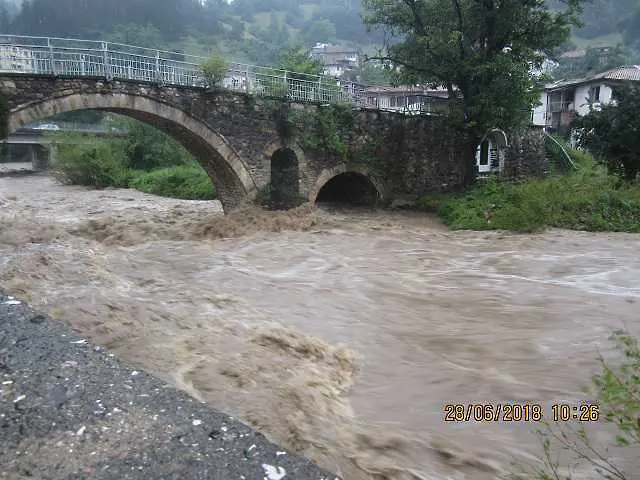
95,164
616,391
110,163
189,182
588,199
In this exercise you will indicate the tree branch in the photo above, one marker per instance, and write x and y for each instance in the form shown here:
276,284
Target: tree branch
419,23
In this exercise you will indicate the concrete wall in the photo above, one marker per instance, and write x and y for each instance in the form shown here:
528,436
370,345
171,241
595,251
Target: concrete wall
539,116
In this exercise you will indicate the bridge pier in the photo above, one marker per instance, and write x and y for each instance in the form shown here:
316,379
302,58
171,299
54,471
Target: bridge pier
41,157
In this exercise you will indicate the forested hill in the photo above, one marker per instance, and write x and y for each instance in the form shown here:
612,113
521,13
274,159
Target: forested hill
251,30
255,30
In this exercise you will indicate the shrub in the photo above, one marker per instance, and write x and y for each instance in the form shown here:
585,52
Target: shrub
97,164
189,182
616,391
588,199
214,68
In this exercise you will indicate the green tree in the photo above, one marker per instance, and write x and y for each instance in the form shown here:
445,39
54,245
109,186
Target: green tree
147,148
482,51
611,132
214,68
323,31
137,35
297,59
370,75
595,60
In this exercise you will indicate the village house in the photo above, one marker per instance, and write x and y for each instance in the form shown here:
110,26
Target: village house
335,59
563,100
408,99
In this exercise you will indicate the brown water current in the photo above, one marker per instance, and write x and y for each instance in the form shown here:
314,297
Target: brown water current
339,334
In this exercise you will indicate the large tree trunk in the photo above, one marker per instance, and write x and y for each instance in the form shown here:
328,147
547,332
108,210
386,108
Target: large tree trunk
468,166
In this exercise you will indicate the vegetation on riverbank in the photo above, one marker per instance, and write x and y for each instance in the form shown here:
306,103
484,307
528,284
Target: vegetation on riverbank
590,199
146,160
616,401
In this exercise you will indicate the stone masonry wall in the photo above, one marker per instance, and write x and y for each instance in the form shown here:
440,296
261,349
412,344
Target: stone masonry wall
407,154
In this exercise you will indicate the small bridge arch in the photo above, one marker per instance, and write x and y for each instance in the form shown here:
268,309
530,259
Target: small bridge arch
334,181
222,163
280,154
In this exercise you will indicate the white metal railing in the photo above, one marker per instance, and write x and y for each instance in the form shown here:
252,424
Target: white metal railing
89,58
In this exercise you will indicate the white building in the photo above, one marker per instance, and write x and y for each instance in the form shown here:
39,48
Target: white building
335,59
563,100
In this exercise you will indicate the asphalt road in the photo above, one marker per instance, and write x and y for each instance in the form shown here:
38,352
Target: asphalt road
70,410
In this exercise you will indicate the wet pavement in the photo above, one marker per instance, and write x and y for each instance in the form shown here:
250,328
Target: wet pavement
70,410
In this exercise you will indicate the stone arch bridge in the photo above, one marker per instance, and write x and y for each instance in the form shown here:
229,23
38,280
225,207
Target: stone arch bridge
234,135
234,130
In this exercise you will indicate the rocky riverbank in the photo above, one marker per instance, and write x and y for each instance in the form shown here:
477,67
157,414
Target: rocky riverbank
70,410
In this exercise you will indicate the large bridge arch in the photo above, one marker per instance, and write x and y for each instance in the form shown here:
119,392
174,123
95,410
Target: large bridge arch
328,175
222,163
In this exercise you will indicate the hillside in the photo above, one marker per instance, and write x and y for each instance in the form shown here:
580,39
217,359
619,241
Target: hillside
248,30
255,31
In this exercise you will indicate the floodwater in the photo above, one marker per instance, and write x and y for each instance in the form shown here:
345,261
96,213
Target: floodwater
341,334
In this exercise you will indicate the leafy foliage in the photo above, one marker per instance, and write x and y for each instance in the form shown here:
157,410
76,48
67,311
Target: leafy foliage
611,132
147,148
595,60
587,199
484,51
616,390
137,35
214,68
147,160
99,164
189,182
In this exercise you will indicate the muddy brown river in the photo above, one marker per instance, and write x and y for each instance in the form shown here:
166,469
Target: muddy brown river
341,334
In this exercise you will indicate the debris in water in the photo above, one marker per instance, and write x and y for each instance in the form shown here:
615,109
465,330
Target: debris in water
273,473
81,431
80,342
197,422
12,302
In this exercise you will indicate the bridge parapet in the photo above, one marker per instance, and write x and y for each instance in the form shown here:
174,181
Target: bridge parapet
89,58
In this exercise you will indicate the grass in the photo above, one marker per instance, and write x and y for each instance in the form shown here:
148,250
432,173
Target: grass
188,182
589,199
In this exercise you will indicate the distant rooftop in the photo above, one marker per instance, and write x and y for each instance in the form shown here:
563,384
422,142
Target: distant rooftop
329,48
626,73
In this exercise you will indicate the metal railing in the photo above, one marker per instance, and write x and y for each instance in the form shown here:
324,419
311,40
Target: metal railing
114,61
559,159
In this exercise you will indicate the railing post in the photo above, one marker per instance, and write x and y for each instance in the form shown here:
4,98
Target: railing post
105,61
286,84
157,73
51,57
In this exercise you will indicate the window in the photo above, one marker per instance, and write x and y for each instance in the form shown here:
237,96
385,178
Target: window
484,153
594,94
